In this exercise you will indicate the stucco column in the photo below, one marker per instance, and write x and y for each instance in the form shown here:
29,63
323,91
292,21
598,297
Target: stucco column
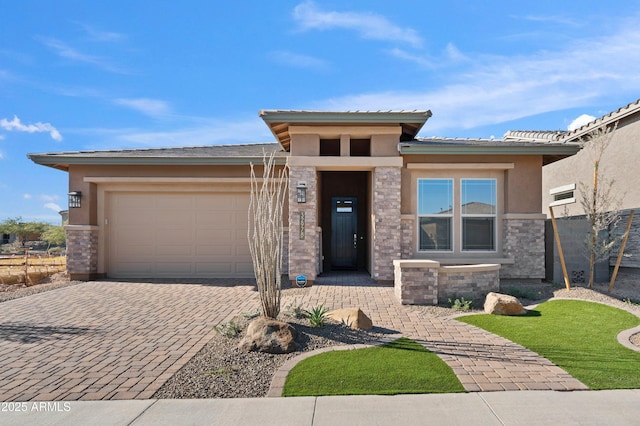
303,226
387,233
82,252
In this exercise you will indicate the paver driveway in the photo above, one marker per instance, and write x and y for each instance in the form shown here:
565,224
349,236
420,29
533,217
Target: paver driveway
116,340
109,340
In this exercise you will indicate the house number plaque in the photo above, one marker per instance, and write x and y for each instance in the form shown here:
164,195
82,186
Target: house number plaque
302,220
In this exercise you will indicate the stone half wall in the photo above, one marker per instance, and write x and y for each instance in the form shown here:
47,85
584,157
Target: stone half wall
523,241
473,282
303,233
82,252
425,282
387,229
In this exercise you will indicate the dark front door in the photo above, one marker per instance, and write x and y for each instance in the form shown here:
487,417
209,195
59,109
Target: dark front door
344,232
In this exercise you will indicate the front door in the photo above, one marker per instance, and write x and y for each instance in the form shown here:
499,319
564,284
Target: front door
344,232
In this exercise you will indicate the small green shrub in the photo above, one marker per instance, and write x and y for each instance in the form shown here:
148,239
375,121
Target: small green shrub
252,314
296,311
317,316
228,329
461,304
522,293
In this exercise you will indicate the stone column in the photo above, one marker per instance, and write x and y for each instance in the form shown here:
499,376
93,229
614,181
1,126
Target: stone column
386,222
408,232
303,226
523,241
82,252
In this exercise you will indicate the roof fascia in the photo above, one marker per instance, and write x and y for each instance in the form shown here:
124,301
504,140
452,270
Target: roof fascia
564,149
328,117
58,160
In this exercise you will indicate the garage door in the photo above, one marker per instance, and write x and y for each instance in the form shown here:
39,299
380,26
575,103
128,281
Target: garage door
178,235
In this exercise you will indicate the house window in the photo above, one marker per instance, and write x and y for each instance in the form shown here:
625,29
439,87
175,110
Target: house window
465,207
435,214
478,214
563,195
360,147
329,147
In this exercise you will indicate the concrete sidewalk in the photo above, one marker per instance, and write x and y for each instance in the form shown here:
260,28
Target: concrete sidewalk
620,407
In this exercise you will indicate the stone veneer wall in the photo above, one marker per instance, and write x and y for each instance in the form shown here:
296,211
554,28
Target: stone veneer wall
285,251
82,251
416,282
453,283
386,212
408,231
302,257
523,241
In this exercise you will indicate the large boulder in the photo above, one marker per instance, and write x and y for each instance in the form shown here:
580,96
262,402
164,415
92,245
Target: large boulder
269,335
503,304
352,317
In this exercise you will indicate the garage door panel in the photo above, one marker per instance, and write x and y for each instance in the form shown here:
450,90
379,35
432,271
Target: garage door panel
215,250
174,268
215,268
176,235
174,250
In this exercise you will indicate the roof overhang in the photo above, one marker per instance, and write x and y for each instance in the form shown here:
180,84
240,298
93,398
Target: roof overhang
279,121
550,153
62,162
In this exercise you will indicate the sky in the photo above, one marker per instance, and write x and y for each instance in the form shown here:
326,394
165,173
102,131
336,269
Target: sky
80,75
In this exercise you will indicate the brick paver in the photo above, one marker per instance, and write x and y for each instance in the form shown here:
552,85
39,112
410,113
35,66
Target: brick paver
118,340
110,340
481,360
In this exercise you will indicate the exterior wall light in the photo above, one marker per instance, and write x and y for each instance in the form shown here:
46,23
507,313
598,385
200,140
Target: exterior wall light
74,199
301,192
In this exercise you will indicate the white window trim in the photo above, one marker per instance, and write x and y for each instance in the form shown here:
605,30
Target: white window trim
494,215
450,216
565,189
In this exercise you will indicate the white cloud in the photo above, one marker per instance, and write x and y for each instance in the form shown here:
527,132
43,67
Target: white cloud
297,60
65,51
102,36
16,125
368,25
151,107
53,206
580,121
554,19
205,132
27,196
47,197
496,89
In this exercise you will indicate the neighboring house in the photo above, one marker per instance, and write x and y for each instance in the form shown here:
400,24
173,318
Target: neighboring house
561,185
363,192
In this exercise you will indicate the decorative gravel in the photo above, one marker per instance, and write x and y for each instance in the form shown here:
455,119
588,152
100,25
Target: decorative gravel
16,291
221,370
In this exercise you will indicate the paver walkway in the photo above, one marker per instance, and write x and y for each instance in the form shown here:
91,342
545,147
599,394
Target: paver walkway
117,340
481,360
109,340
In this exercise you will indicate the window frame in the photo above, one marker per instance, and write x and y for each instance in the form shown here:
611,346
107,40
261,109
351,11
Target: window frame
483,215
457,175
451,216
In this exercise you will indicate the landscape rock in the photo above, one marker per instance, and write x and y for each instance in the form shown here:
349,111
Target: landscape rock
352,317
503,304
270,336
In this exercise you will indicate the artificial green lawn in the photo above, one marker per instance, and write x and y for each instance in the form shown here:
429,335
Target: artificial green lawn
402,366
578,336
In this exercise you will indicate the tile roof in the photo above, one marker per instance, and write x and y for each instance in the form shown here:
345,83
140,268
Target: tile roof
209,151
609,118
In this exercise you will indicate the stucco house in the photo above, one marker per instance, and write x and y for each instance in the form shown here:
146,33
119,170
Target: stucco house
364,191
561,188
